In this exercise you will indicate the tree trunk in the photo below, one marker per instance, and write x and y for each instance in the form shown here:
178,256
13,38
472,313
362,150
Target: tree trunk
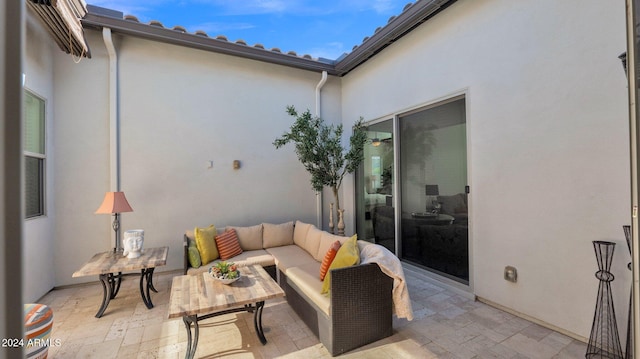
337,197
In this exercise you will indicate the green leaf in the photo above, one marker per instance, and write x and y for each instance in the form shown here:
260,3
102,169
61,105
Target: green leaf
319,149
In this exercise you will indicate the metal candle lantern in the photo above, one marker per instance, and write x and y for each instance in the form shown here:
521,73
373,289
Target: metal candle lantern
604,341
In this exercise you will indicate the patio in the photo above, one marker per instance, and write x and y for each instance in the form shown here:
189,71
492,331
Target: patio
446,325
162,114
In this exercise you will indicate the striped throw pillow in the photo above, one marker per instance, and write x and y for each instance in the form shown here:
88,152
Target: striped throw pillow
228,245
348,255
328,258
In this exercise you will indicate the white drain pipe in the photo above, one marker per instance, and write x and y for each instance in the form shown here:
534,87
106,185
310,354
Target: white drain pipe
319,204
114,130
114,141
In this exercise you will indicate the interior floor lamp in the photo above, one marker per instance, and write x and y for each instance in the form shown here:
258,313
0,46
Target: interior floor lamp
115,203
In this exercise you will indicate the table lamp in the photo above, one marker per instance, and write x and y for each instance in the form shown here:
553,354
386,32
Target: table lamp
432,192
115,203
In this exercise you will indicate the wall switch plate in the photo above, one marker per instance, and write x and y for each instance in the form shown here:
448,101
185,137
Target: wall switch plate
209,164
511,274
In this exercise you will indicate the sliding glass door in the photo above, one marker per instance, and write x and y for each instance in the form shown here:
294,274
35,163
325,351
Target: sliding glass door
432,188
433,179
375,215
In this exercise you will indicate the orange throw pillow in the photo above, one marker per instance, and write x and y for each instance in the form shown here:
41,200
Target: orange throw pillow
228,245
328,258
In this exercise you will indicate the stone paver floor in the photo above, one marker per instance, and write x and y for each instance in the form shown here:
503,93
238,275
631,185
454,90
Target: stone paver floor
446,325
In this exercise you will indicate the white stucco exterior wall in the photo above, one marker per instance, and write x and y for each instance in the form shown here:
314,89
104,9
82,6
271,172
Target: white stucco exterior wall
179,109
39,239
547,141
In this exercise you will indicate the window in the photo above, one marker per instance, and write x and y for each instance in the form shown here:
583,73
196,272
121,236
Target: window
34,153
376,171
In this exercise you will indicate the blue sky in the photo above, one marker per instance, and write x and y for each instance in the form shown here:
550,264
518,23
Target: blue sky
319,28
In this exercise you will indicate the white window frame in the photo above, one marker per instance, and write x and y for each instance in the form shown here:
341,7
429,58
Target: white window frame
41,157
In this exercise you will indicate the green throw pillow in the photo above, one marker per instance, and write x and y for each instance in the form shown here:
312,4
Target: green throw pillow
194,257
348,255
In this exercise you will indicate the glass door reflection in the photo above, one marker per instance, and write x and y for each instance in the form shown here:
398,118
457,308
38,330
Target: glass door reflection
375,215
433,183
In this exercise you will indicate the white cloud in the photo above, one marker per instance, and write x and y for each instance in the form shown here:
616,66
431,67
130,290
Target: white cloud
132,7
383,6
248,7
256,7
217,28
331,51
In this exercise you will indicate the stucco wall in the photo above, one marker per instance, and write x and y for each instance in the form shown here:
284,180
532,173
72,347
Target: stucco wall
179,109
547,141
39,240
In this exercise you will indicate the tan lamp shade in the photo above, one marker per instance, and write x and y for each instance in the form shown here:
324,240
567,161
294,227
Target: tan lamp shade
114,202
431,190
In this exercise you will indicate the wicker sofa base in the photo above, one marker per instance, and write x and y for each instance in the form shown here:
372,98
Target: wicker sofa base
361,308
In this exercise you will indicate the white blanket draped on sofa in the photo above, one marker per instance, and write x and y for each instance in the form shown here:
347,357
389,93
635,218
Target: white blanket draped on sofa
391,266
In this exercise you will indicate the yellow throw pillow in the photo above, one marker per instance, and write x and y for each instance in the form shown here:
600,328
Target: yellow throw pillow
206,243
348,255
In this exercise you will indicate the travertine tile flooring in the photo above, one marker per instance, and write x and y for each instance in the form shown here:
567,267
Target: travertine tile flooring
446,325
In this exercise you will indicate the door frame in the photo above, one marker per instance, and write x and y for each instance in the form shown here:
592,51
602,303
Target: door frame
397,202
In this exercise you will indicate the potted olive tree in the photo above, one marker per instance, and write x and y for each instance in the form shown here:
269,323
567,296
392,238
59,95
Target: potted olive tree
319,149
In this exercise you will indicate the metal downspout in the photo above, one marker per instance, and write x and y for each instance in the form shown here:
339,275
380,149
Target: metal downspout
114,153
634,156
114,124
319,203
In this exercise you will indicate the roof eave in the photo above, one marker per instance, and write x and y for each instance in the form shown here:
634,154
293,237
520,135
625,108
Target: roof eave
205,43
412,16
416,14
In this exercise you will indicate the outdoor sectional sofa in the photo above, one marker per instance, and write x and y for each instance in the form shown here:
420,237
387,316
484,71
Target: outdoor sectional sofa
358,310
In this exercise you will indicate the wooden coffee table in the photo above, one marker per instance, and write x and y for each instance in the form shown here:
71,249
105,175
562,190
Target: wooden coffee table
110,265
199,297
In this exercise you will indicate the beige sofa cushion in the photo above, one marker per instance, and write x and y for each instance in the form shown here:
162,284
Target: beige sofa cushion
250,238
305,278
260,257
326,240
276,235
290,256
300,233
312,241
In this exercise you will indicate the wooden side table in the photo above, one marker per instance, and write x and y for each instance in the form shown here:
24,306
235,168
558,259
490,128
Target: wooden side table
110,265
199,297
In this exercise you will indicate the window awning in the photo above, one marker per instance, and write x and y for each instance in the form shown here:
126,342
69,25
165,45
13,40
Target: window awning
62,20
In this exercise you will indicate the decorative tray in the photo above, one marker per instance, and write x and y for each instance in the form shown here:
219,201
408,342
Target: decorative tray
424,215
223,278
